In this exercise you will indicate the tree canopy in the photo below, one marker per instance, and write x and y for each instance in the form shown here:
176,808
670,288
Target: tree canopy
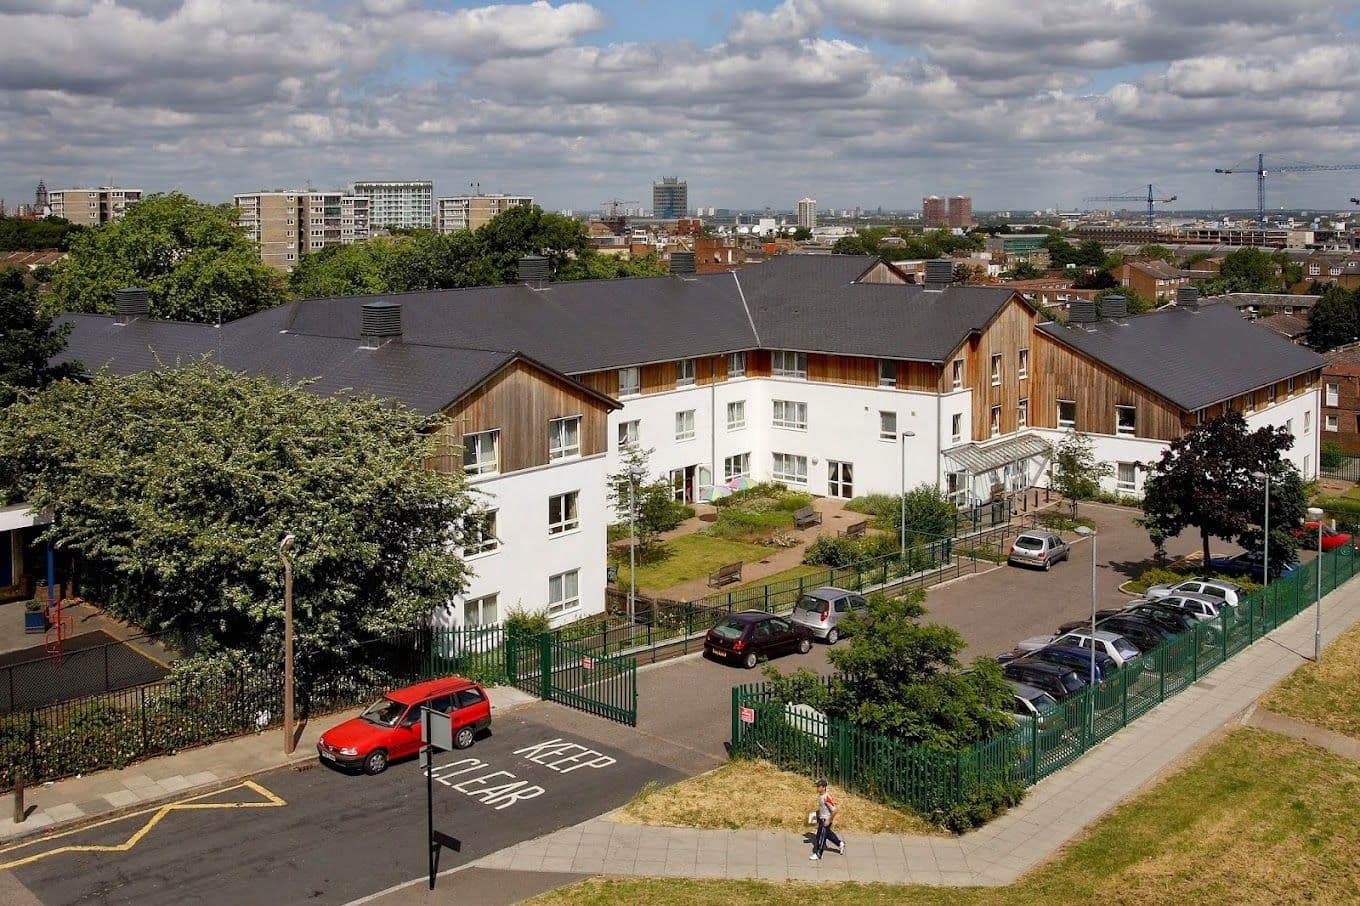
1076,472
193,259
35,235
1335,319
1061,253
175,487
930,244
1251,270
27,341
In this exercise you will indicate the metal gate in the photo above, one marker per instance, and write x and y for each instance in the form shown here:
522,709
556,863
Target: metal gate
573,676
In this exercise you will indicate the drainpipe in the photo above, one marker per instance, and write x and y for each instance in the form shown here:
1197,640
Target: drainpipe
712,423
939,431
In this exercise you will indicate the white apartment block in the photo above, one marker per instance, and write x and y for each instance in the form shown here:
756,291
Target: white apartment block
401,203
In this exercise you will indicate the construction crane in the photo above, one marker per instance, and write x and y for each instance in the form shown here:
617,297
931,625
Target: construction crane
615,223
1151,199
1261,171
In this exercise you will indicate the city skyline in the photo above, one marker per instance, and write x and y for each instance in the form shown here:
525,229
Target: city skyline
871,103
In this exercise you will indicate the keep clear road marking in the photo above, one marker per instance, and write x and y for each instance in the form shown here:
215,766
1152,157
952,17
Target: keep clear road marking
183,805
556,755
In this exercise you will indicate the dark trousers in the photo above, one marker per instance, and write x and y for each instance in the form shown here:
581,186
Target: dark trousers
824,834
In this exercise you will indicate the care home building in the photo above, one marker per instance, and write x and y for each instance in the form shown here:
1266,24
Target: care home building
827,373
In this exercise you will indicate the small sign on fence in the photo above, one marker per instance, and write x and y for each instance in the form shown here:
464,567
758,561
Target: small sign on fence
747,715
587,663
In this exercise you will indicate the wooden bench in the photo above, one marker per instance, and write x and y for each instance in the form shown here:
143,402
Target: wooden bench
856,530
805,517
725,574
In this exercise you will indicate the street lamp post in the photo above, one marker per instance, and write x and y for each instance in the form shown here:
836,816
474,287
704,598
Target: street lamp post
632,548
1265,534
902,532
1316,514
289,743
1086,530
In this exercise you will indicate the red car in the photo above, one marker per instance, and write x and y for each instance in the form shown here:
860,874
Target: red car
390,727
1331,538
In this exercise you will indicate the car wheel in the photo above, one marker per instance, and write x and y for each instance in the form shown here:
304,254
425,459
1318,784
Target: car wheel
749,661
804,646
463,738
375,762
1048,564
833,636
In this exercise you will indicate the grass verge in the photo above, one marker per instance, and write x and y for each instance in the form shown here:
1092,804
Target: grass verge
785,575
757,795
1326,695
1258,818
690,557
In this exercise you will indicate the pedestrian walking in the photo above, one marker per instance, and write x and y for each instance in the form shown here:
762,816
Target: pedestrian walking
826,817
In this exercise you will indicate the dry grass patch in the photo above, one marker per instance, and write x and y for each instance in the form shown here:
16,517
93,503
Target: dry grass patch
1326,695
758,795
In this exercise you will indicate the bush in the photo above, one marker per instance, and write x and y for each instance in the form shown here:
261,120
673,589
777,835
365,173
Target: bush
929,514
881,506
524,622
980,805
744,524
1331,456
833,551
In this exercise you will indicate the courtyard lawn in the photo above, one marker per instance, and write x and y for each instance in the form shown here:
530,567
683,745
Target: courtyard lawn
1326,694
689,557
783,575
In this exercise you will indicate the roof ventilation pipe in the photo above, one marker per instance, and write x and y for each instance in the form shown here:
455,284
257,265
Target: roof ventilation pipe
534,271
381,324
1187,297
129,304
1083,312
939,274
1114,308
682,264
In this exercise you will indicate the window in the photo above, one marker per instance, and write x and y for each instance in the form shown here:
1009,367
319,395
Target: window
1125,420
684,373
1307,465
887,373
1289,387
956,427
481,611
1333,395
736,415
840,479
1067,414
789,364
628,433
1270,394
996,420
738,466
564,592
996,370
736,364
956,487
1126,476
1022,368
1289,426
562,515
479,534
1333,423
887,426
684,425
1022,414
788,414
957,374
481,453
1307,422
630,382
789,468
564,437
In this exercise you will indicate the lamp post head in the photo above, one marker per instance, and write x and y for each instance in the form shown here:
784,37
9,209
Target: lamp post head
1084,530
906,434
286,544
1315,512
1260,476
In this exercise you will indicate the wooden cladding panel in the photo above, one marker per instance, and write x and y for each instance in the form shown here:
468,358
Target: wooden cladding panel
758,363
1011,331
710,369
881,273
842,369
921,376
519,402
1060,373
606,382
658,378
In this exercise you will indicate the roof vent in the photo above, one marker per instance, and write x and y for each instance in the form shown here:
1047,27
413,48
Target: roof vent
682,262
1115,308
1083,311
939,273
534,271
381,324
1187,297
130,304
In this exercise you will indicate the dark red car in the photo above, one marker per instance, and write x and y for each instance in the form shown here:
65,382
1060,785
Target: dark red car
1331,538
743,638
389,728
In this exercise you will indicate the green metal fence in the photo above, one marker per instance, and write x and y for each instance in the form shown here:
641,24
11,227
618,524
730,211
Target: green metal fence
799,738
573,675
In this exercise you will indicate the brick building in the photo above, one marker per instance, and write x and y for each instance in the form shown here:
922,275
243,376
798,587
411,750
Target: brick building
1341,398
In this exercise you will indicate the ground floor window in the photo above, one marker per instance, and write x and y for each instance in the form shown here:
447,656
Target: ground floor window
564,592
840,479
1126,477
483,611
789,468
738,466
956,485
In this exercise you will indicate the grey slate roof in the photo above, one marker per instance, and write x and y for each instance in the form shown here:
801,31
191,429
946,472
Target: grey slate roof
1192,358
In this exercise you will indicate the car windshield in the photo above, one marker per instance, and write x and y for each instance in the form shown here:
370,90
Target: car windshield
384,712
729,629
810,604
1025,542
1125,648
1071,682
1043,701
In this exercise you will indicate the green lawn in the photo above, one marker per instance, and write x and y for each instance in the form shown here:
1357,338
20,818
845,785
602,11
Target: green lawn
1325,694
1258,818
690,557
790,573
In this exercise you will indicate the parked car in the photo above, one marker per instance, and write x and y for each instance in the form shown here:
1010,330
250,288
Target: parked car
1225,591
389,729
822,609
1086,621
1145,634
1250,565
1030,703
1173,618
1331,538
1038,549
1202,607
1079,659
1057,680
745,637
1111,644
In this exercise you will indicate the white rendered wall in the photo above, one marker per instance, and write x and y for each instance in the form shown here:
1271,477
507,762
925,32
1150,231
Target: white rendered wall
1306,443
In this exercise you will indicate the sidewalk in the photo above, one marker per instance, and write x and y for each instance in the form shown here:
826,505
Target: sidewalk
1055,811
107,793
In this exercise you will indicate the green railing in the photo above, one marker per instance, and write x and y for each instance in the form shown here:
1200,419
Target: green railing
572,675
926,780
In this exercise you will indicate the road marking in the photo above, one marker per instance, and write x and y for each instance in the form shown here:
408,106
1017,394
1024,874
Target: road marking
183,805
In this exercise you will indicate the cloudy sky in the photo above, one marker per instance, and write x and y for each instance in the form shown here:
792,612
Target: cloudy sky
854,102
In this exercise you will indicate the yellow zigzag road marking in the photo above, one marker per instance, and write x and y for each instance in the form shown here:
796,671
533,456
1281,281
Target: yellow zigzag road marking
183,805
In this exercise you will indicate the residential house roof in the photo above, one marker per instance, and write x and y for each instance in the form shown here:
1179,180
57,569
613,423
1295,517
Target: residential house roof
1341,356
1263,300
1290,327
1161,270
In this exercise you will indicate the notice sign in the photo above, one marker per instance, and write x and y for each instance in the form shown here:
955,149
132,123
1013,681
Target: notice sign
747,715
587,663
440,728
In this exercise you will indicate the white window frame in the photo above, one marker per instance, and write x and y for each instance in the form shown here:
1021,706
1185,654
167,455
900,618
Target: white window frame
1307,421
482,463
568,515
956,374
684,424
789,414
1120,484
482,525
736,415
1289,387
1332,423
784,363
1069,423
1022,367
996,369
996,421
684,372
736,466
956,427
479,606
564,447
736,364
564,592
887,373
1289,426
1022,414
1331,395
884,432
789,468
1271,393
630,382
1119,428
630,433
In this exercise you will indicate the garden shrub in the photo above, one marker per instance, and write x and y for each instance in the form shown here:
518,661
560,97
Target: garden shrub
980,805
524,622
830,550
1331,456
881,506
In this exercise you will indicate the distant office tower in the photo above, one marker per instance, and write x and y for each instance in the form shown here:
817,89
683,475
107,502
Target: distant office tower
288,223
468,212
91,207
670,198
933,211
960,211
40,197
402,203
807,213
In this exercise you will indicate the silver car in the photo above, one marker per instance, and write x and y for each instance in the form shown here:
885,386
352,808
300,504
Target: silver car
1202,607
1038,549
1225,592
822,609
1115,646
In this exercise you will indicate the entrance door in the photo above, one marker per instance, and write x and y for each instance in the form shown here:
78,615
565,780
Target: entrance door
683,484
840,479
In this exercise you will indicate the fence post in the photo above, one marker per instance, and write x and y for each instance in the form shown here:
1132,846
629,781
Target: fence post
106,668
1194,660
735,697
511,657
142,711
1034,750
1223,636
545,653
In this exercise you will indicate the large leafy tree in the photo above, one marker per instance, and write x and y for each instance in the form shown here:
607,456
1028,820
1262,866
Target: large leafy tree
174,487
1076,473
28,341
36,235
1205,480
193,259
1335,319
